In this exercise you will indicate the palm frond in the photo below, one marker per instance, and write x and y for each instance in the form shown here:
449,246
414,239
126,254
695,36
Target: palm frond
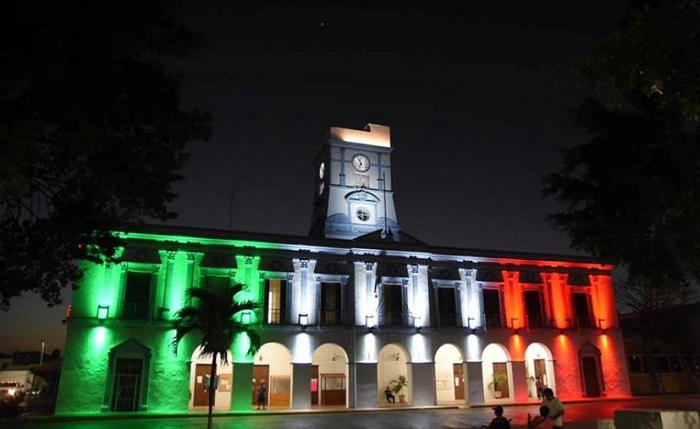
212,314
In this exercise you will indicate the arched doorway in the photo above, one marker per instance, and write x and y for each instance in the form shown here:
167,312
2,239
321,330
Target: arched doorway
450,379
497,374
539,366
272,366
393,364
200,380
329,376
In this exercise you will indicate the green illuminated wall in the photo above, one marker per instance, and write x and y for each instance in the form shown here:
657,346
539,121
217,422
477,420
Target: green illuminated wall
86,378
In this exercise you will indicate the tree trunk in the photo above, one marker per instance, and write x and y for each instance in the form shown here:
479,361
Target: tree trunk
212,391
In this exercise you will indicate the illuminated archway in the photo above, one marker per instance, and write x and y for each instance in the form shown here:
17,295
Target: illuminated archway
273,365
450,375
496,360
200,371
539,363
329,378
392,363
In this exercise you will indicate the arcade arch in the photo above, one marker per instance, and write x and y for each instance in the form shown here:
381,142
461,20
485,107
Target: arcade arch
450,378
393,362
539,363
200,372
497,373
273,366
329,376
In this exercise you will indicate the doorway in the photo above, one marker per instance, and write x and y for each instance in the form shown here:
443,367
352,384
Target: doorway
458,374
127,384
590,376
261,373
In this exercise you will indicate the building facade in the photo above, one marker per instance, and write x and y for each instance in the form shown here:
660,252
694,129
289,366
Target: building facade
343,312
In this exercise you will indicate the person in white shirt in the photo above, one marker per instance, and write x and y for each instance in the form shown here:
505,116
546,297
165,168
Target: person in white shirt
556,408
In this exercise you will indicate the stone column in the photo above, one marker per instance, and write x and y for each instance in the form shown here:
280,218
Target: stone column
520,393
242,389
475,383
367,392
423,384
301,390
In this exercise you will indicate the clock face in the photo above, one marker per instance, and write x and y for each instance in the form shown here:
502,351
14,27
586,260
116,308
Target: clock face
321,170
360,162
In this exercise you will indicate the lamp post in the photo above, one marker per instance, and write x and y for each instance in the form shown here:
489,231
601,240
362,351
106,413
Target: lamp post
41,355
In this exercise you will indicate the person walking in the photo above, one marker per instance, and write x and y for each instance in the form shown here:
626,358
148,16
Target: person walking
262,395
556,408
539,385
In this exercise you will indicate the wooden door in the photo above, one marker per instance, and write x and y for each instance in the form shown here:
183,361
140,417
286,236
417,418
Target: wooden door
314,385
590,376
458,376
201,395
541,371
260,373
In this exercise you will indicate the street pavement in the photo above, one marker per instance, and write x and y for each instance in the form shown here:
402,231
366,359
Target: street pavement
582,415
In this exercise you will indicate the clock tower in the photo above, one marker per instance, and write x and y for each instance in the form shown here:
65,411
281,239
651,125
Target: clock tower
354,192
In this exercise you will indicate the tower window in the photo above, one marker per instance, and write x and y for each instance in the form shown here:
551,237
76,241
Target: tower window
362,214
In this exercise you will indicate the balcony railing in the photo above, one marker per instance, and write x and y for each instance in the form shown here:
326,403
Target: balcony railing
135,311
275,316
330,317
494,320
449,320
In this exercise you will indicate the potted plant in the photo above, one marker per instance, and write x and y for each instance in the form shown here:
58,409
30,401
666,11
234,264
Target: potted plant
398,384
500,380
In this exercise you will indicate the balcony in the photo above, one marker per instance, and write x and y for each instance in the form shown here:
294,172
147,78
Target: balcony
135,311
494,320
330,318
449,320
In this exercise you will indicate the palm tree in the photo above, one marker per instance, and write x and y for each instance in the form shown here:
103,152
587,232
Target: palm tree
213,315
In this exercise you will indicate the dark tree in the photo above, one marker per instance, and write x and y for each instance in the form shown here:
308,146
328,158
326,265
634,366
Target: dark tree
632,192
216,315
92,133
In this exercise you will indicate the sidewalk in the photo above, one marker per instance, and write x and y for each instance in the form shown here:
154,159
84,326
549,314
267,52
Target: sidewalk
516,409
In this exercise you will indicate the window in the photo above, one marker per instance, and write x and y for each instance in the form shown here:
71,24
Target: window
533,308
361,180
661,363
692,363
275,301
330,303
637,364
217,282
447,306
392,302
492,308
582,310
137,296
363,214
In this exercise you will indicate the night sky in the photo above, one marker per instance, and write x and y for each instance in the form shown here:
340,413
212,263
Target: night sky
476,96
